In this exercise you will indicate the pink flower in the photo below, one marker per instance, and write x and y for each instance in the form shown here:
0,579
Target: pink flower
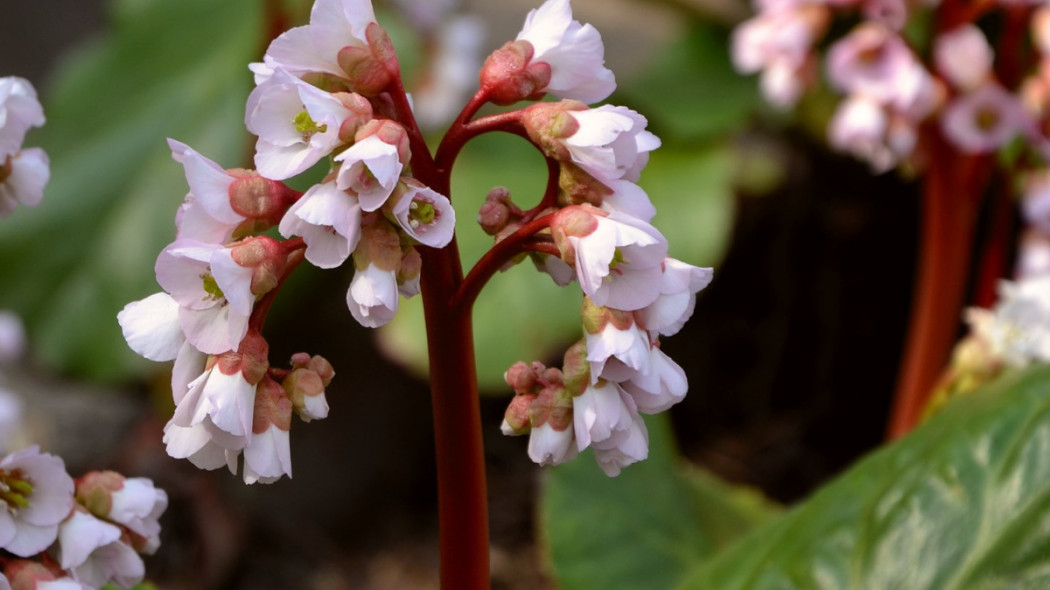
36,494
329,220
93,551
370,168
617,258
212,290
373,296
602,412
611,143
267,456
23,176
315,48
573,51
983,120
874,61
659,388
964,57
611,334
679,284
423,214
207,214
624,448
151,327
19,110
297,124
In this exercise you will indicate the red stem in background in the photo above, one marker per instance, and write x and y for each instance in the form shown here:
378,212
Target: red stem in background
951,194
993,259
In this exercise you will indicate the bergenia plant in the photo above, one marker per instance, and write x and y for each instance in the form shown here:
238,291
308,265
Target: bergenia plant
331,93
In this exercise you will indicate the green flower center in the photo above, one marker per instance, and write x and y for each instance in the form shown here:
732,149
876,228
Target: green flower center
306,126
15,489
617,259
211,286
421,213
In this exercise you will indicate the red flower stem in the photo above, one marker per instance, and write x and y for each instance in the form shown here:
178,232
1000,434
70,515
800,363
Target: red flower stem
459,135
493,260
463,535
993,260
951,194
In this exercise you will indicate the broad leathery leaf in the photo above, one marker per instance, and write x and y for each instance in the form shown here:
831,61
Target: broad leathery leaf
644,528
175,69
962,503
521,314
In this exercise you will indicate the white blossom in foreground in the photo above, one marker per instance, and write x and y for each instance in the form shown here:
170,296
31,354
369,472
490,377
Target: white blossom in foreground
329,220
1018,328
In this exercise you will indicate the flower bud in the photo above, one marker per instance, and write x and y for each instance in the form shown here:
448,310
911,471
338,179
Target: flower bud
95,490
379,246
576,369
408,273
306,391
360,114
267,259
522,378
370,69
25,575
317,363
509,77
390,132
516,418
496,211
272,408
549,122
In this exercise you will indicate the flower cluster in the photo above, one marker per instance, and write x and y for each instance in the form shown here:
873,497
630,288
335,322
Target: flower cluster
599,234
891,87
61,533
329,93
321,95
23,172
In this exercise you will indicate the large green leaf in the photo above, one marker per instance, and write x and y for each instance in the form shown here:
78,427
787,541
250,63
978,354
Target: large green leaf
645,528
173,69
963,503
523,315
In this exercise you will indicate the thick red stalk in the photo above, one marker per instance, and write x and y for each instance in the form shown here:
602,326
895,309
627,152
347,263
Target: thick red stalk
463,535
952,191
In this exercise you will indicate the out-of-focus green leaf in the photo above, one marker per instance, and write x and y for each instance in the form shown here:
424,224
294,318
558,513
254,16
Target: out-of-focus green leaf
691,92
522,314
963,503
168,69
644,528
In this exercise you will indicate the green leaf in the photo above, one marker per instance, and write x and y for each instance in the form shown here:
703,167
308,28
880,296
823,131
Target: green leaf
645,528
521,314
963,503
175,69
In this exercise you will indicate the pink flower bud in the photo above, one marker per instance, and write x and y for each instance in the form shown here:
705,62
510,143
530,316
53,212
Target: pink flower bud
370,69
25,575
516,418
390,132
360,114
306,391
510,76
260,200
576,368
497,211
522,378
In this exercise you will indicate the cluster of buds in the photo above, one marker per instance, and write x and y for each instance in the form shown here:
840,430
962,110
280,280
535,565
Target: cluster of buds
891,87
23,172
57,533
598,234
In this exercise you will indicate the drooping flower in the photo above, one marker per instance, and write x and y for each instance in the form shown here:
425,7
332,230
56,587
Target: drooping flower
679,284
371,167
617,258
267,455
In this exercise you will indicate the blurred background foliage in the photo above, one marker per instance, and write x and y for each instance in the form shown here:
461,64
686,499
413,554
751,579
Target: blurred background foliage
791,353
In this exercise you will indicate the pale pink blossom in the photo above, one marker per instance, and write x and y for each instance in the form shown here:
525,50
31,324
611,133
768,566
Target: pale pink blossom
784,34
151,327
423,214
550,446
19,111
314,48
23,178
297,124
679,284
212,290
267,457
875,61
207,214
12,336
38,495
611,143
602,412
629,198
198,445
574,52
617,258
659,388
1035,200
983,120
612,334
964,57
370,168
373,296
138,505
624,448
223,401
329,220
